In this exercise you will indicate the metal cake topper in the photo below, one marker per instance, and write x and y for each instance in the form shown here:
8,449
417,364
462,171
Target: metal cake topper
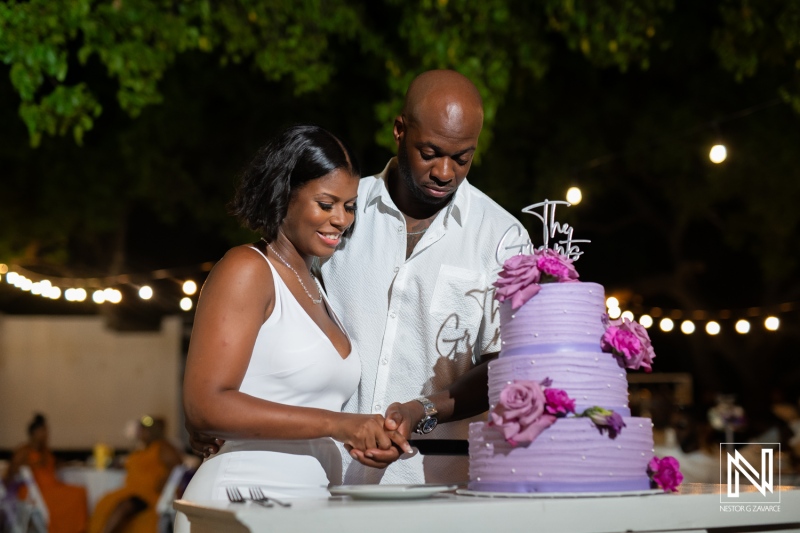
566,246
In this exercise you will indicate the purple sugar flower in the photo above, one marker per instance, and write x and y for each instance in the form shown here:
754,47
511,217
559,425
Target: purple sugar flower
520,413
629,342
605,420
558,403
665,473
556,266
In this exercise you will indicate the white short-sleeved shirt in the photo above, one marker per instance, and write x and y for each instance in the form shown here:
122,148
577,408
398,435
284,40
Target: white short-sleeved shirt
419,323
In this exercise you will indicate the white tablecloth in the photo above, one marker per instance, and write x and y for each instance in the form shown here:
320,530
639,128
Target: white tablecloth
696,508
96,482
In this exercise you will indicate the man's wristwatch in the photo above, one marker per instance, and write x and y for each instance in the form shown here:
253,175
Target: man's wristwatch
428,421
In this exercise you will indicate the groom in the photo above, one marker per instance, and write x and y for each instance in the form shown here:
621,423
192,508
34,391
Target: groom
414,284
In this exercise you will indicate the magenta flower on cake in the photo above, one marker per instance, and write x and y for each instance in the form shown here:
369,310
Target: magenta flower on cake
665,473
629,342
555,266
557,402
605,420
520,414
518,281
521,276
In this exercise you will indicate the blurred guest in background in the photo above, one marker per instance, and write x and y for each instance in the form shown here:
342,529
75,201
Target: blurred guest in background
66,504
687,439
131,509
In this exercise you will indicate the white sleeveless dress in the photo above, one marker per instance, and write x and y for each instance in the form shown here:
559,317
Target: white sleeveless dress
293,363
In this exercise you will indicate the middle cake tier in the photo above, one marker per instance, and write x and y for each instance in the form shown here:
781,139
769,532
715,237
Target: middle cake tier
591,378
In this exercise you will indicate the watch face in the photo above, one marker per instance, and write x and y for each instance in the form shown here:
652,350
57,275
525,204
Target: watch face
429,424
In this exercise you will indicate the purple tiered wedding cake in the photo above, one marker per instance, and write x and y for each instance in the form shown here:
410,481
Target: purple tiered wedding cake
559,419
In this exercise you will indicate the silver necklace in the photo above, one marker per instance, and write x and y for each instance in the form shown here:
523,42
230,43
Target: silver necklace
317,301
416,232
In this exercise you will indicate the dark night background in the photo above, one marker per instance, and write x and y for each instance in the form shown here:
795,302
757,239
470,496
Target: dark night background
669,229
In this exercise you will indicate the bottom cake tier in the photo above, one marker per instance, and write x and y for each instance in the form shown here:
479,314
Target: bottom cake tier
572,455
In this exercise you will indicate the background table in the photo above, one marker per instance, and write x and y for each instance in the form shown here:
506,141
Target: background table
97,482
696,508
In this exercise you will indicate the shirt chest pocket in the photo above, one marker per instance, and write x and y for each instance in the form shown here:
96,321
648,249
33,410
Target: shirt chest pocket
458,301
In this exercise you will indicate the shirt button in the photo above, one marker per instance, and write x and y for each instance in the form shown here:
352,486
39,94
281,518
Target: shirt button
396,270
393,315
384,361
399,229
377,407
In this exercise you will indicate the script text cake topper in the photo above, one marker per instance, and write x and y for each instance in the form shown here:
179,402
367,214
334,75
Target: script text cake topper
566,246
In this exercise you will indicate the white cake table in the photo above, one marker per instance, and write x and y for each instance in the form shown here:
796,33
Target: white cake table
696,508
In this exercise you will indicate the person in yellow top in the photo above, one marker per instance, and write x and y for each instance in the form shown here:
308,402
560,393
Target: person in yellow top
66,504
131,509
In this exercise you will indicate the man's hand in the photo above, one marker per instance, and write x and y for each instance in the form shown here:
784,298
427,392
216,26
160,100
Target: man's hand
202,444
403,417
399,420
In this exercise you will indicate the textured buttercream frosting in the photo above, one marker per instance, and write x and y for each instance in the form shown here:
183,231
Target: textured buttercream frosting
556,335
569,456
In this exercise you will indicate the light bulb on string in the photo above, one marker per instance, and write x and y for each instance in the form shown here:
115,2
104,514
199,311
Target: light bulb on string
628,315
666,324
772,323
742,326
687,326
189,287
145,292
712,328
718,153
186,303
646,321
574,195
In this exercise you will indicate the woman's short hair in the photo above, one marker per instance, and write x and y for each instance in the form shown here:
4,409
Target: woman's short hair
297,155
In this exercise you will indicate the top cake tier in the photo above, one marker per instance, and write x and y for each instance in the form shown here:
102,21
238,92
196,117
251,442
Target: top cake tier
560,314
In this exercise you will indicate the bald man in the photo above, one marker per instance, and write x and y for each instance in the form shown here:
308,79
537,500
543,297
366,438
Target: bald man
414,284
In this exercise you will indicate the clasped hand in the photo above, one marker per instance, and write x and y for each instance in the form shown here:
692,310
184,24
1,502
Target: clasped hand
372,440
397,425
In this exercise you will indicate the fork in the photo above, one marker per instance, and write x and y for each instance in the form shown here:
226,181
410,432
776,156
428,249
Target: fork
234,495
258,496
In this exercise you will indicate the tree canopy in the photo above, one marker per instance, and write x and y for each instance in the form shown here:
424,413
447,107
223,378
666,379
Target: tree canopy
125,123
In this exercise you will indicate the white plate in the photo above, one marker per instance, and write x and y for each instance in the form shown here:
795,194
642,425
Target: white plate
648,492
389,492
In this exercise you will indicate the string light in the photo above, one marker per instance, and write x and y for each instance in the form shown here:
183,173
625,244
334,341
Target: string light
712,327
646,321
742,326
614,312
772,323
718,153
687,326
574,195
666,325
145,292
627,314
189,287
612,302
186,303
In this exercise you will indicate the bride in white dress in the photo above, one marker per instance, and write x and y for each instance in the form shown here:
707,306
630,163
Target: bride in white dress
269,364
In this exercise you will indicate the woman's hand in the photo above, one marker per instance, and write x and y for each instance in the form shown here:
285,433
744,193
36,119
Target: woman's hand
389,444
362,432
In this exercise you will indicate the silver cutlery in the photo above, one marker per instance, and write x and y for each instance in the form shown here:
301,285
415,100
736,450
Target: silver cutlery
234,495
258,496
